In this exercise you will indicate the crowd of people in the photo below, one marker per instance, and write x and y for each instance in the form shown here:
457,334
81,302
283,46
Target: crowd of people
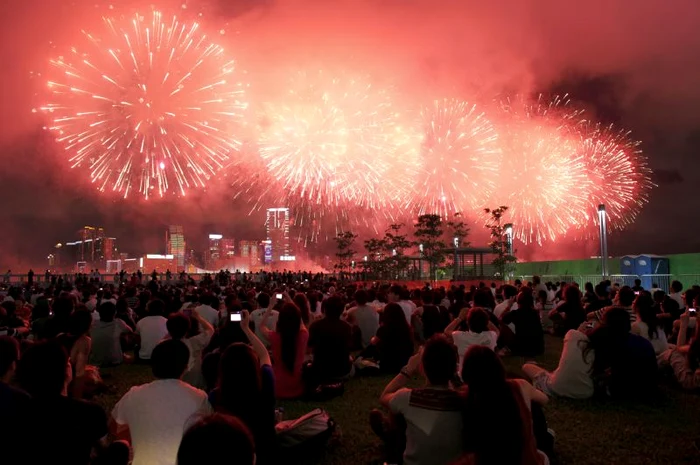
223,351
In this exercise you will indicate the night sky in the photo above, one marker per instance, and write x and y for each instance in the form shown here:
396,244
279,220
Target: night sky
631,63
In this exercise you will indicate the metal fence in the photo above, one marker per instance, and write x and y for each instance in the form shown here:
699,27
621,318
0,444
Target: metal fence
662,281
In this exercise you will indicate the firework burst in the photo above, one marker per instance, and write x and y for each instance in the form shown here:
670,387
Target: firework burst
336,141
460,158
148,104
618,174
543,179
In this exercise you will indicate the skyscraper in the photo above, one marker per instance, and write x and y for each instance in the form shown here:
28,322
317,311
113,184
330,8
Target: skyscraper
213,255
250,250
175,245
277,227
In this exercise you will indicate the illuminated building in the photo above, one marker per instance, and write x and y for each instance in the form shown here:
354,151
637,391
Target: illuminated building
91,251
250,250
175,246
213,256
159,263
277,227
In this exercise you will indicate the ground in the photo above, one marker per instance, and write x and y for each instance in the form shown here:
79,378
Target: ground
587,432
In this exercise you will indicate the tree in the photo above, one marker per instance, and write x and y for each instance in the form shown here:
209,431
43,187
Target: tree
504,263
429,232
376,262
396,245
344,242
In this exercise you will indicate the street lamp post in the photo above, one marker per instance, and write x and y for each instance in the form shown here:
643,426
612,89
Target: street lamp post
509,248
603,224
420,261
455,241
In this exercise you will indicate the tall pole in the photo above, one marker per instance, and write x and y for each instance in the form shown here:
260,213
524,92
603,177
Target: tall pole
603,223
456,243
509,248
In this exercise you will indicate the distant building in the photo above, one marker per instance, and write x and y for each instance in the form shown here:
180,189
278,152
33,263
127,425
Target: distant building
175,246
91,251
277,228
250,250
212,259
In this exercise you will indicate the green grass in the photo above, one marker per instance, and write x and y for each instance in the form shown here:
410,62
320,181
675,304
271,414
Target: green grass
587,432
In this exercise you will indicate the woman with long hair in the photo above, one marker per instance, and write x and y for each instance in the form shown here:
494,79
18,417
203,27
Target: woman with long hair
494,403
647,324
245,389
289,341
570,314
528,337
684,359
393,344
301,301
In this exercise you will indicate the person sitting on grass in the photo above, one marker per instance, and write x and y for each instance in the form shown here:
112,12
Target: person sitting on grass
572,378
151,329
330,340
393,344
481,331
107,335
426,425
155,415
624,299
218,439
14,403
570,314
494,403
527,337
684,359
647,324
289,341
246,389
624,364
71,430
180,328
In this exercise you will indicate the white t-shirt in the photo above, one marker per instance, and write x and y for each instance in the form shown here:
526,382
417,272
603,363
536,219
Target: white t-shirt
367,319
678,298
271,323
500,308
209,314
157,414
658,342
572,377
433,436
464,339
152,330
408,308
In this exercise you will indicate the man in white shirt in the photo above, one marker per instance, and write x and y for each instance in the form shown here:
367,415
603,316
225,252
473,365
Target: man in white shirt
509,295
155,415
364,316
151,329
676,288
433,415
257,316
399,295
207,310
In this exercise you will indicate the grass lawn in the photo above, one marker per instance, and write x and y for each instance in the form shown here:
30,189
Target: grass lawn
587,432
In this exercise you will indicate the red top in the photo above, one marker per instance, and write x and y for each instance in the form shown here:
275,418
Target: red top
288,385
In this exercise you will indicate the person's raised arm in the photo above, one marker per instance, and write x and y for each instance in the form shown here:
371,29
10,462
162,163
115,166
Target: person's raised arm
255,342
400,380
683,331
204,324
455,323
493,327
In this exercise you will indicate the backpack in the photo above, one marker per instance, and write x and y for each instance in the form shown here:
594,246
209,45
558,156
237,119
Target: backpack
311,430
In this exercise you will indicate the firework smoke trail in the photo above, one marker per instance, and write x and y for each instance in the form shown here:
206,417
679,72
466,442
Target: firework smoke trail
543,178
618,174
336,141
460,158
153,105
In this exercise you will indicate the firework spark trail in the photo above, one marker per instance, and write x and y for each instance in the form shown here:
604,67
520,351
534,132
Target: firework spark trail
337,141
460,159
543,178
153,106
618,174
